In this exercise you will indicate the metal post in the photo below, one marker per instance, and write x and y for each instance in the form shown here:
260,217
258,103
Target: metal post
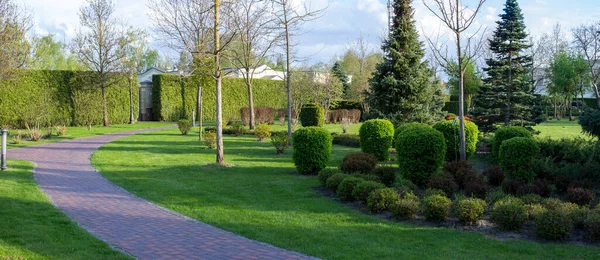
4,134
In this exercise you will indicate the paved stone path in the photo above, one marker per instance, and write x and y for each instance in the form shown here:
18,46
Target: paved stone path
64,172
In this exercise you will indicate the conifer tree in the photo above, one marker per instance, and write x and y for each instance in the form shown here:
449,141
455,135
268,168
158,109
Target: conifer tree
403,87
507,95
338,71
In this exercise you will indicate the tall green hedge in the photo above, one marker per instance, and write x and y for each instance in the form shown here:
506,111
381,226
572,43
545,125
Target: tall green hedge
167,98
61,98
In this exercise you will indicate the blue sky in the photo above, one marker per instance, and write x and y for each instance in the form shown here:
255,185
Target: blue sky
344,22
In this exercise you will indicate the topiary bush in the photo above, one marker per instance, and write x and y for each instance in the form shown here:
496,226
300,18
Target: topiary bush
376,138
363,189
506,133
443,181
516,158
557,204
436,207
451,133
534,210
326,173
263,131
405,126
470,211
494,175
509,213
382,199
359,162
312,149
580,196
592,227
334,181
553,225
312,115
184,126
344,190
420,153
407,207
386,174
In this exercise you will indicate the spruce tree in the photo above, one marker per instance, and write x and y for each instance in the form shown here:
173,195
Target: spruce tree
338,71
507,96
403,87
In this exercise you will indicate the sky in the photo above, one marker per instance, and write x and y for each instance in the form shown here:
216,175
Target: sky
326,39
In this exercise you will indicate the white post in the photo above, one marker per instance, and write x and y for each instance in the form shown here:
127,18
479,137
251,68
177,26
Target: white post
4,134
193,117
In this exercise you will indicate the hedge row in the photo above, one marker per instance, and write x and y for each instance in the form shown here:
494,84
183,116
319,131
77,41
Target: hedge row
167,96
62,98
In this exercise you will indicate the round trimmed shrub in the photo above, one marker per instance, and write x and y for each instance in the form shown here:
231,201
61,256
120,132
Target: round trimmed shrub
376,138
407,207
184,126
458,170
578,216
386,174
516,157
436,207
443,181
557,204
506,133
312,149
592,227
509,213
470,211
312,115
382,199
495,196
495,175
334,181
326,173
534,210
366,177
359,162
344,190
405,126
475,186
553,225
453,142
420,152
532,199
364,188
262,131
580,196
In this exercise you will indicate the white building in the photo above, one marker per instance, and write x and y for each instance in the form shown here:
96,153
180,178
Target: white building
261,72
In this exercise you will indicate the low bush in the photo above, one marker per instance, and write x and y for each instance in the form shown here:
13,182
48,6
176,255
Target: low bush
562,182
451,132
532,199
386,174
280,141
592,227
358,162
312,149
578,216
363,189
541,187
553,225
334,181
184,126
458,170
516,158
346,140
344,190
436,207
326,173
376,138
61,130
475,186
515,188
495,175
34,134
506,133
431,192
443,181
382,199
420,153
407,207
492,197
312,115
580,196
367,177
262,132
509,213
210,140
534,210
470,211
557,204
237,128
18,138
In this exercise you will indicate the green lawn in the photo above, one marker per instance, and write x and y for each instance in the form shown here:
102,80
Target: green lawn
260,197
560,129
82,131
32,228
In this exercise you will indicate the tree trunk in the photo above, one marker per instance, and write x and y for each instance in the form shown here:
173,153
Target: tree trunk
461,103
183,111
104,106
131,116
250,99
509,91
597,93
199,113
220,157
288,76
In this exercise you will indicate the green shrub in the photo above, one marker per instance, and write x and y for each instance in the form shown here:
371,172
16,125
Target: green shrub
312,115
358,162
326,173
346,140
443,181
459,170
470,211
580,196
532,199
579,215
184,126
237,128
61,130
344,190
495,175
387,175
280,141
509,213
534,210
492,197
406,207
557,204
475,186
436,207
376,138
363,189
312,149
366,177
506,133
405,126
420,152
592,227
516,157
553,225
262,131
334,181
210,140
451,133
382,199
590,122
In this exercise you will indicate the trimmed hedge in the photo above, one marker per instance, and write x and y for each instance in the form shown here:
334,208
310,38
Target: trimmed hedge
312,115
312,149
516,157
506,133
167,98
62,98
421,152
376,138
453,142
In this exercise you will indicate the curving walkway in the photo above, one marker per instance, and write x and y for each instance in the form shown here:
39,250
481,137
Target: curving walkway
146,231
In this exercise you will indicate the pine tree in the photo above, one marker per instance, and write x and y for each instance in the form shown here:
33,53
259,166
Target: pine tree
403,86
507,96
338,71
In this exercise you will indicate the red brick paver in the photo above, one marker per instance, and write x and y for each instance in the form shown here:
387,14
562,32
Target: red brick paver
64,172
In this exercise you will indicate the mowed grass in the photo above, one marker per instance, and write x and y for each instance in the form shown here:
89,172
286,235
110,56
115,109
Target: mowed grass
32,228
261,197
82,131
558,129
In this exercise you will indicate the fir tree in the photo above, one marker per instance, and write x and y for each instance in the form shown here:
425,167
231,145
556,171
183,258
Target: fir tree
403,86
338,71
507,96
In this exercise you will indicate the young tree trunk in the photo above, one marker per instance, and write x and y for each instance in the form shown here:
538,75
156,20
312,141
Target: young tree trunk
199,113
250,99
131,116
509,92
220,157
597,93
288,80
104,106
